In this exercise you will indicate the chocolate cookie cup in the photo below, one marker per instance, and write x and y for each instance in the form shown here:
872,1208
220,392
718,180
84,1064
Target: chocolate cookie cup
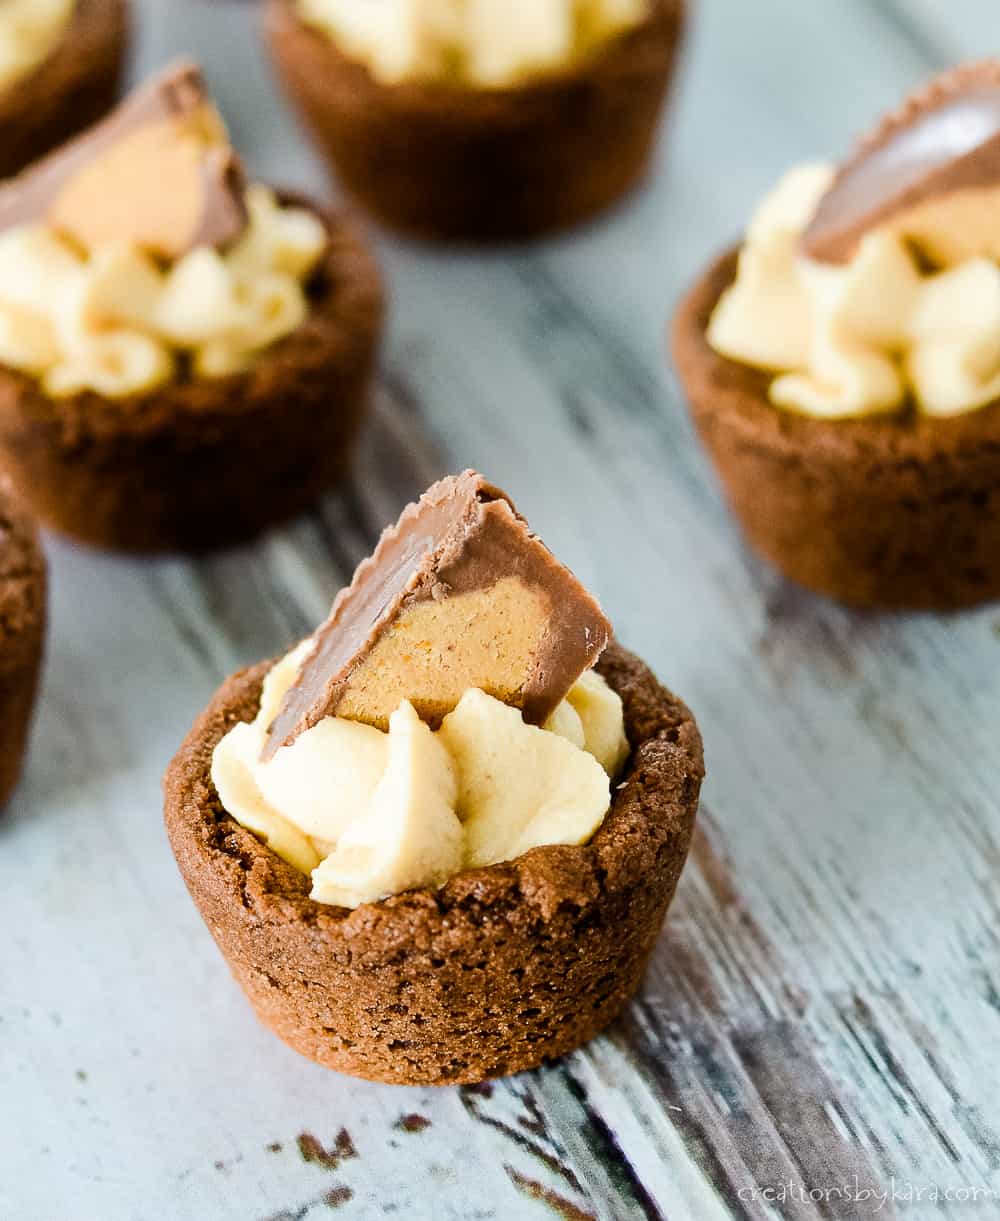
895,512
199,463
501,969
476,164
75,85
22,632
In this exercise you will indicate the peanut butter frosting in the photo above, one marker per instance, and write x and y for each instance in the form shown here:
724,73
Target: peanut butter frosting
876,286
475,43
120,322
29,30
371,813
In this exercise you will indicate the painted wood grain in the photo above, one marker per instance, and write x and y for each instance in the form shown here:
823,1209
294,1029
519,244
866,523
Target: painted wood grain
824,1005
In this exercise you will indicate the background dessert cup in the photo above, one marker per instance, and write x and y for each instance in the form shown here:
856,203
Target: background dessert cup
499,970
885,511
200,462
74,86
22,632
843,365
469,163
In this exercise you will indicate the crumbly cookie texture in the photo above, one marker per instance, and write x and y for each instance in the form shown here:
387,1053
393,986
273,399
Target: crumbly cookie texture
879,284
23,612
118,321
482,43
499,970
29,29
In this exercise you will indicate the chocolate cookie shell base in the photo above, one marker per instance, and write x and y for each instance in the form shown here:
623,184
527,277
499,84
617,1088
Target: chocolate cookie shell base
470,164
22,633
895,512
199,463
73,87
503,968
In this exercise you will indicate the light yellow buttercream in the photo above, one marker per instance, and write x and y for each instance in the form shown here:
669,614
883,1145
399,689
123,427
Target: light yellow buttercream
481,43
29,30
115,321
370,813
861,338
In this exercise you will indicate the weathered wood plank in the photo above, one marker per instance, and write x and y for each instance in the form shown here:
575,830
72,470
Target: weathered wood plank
969,29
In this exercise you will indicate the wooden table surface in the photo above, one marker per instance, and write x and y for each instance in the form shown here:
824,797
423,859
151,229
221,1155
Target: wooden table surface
823,1009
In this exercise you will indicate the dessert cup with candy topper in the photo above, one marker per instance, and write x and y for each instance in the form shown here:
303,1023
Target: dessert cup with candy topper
843,365
437,841
178,369
23,607
61,66
480,122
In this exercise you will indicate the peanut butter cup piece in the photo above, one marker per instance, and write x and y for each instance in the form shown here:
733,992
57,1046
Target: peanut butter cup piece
458,594
159,172
944,139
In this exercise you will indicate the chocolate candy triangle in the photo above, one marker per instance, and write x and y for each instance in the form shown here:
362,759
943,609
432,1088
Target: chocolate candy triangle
159,172
943,140
458,594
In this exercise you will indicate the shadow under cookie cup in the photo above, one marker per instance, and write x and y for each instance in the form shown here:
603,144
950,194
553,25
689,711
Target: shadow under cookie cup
476,164
76,84
501,969
892,511
23,613
203,462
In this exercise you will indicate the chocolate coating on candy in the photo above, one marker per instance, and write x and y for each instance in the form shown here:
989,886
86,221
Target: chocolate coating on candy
159,172
944,139
458,594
